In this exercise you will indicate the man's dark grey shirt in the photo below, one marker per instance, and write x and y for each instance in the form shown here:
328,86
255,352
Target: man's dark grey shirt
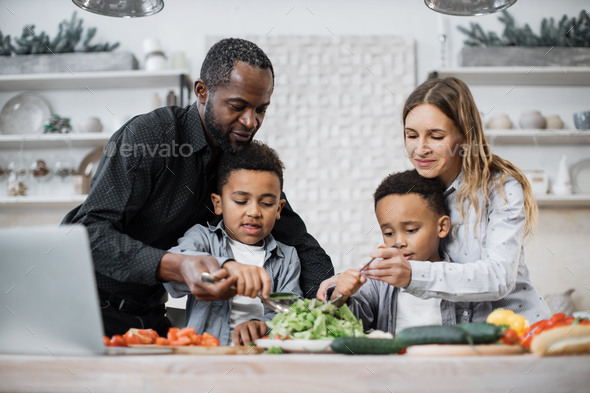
150,187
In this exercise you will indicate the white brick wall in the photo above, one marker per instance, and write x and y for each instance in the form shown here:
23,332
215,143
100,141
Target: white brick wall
335,121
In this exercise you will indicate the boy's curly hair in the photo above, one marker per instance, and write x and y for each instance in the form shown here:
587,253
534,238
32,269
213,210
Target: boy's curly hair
410,182
255,156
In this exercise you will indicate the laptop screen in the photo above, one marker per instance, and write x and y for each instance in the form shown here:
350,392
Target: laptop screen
49,298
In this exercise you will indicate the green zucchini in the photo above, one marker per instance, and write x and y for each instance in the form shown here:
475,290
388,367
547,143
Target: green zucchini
366,346
435,334
482,333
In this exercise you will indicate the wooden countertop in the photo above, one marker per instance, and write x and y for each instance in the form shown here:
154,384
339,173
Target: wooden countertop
301,373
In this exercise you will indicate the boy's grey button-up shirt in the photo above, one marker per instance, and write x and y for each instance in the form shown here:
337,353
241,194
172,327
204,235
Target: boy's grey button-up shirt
281,262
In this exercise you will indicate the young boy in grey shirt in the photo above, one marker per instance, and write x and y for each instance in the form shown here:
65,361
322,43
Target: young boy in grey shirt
249,185
412,216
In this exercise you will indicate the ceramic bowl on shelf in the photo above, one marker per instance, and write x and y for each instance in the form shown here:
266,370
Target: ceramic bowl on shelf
501,121
553,122
582,120
532,120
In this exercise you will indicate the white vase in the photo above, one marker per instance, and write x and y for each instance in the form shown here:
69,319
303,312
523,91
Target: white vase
563,184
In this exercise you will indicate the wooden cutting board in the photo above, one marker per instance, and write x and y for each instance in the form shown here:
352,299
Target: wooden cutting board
198,350
464,350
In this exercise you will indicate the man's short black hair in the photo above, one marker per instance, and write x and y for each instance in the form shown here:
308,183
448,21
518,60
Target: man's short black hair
410,182
222,57
255,156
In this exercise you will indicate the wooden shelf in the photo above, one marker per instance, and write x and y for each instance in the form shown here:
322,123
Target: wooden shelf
537,137
94,80
43,141
46,201
562,76
575,200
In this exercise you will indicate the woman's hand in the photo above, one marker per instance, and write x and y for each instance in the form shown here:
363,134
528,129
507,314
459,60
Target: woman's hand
250,279
392,267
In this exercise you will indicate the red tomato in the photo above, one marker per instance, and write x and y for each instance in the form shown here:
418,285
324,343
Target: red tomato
151,333
161,341
106,341
186,332
180,342
556,317
140,336
209,340
117,341
510,337
533,330
196,339
173,334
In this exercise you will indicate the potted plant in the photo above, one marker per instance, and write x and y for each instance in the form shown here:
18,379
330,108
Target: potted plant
69,51
563,43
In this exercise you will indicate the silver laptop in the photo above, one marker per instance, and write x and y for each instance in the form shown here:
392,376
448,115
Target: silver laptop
49,298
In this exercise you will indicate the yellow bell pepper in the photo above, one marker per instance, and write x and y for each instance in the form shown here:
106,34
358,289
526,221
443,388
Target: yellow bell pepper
501,316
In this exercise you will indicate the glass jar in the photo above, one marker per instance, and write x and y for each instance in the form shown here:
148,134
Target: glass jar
17,185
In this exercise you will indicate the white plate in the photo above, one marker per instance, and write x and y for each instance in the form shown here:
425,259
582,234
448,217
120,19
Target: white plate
297,346
581,177
25,113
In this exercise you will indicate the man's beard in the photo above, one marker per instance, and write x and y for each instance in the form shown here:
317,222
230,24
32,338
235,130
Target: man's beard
217,133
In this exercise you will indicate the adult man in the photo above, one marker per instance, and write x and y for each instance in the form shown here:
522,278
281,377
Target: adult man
155,180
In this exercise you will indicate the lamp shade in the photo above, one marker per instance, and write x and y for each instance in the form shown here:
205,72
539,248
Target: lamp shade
122,8
468,7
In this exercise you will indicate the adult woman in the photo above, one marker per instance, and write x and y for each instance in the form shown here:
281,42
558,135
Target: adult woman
491,205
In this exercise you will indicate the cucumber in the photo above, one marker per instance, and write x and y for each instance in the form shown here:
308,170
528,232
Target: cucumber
436,334
366,346
482,333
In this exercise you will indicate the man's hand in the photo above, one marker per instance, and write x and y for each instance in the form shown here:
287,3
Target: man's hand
393,267
188,269
250,279
249,331
348,283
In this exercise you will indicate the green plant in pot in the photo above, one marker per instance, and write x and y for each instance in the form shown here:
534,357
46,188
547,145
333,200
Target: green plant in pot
563,42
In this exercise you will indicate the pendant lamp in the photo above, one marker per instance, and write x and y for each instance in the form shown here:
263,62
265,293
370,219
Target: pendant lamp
121,8
468,7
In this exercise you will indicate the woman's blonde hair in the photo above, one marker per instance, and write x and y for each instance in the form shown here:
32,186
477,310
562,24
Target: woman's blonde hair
480,167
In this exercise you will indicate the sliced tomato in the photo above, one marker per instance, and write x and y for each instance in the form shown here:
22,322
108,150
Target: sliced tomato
161,341
117,341
140,336
180,342
187,331
209,340
151,333
173,334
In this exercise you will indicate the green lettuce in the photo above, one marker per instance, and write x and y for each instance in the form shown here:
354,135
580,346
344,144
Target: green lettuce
314,319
